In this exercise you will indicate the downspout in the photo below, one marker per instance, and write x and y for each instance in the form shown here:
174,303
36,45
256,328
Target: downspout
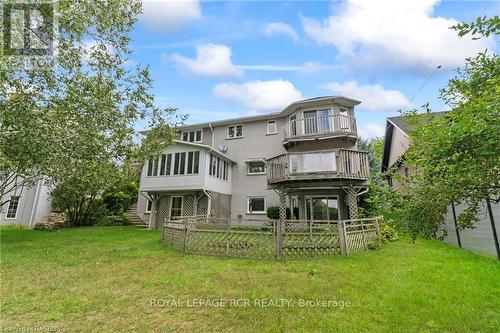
35,202
362,192
209,205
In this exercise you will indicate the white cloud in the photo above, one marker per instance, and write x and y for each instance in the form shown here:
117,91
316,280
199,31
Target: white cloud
371,130
211,60
279,28
170,15
373,97
394,31
306,68
259,95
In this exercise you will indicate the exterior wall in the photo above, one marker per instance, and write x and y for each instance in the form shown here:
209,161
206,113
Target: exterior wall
399,144
253,145
480,238
34,205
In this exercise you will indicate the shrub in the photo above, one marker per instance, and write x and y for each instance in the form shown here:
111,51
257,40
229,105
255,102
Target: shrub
375,244
388,233
114,220
273,212
117,202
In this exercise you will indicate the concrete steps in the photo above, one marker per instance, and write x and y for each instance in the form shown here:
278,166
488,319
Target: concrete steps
132,216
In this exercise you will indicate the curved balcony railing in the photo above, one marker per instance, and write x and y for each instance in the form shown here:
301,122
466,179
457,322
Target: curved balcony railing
318,126
337,164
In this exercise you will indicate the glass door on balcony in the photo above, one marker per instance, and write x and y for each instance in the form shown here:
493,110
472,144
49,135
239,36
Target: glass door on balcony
317,121
293,125
310,122
322,208
324,120
345,121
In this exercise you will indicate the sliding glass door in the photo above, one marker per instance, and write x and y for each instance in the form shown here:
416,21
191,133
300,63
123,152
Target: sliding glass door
322,208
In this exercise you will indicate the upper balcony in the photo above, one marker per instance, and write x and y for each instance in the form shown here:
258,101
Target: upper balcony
319,126
339,164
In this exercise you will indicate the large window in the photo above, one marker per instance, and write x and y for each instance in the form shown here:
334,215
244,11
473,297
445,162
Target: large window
218,167
317,121
256,167
325,208
256,205
176,206
176,164
313,162
271,127
12,209
235,131
192,136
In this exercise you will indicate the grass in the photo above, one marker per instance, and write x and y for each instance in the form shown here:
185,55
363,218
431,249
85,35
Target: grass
103,279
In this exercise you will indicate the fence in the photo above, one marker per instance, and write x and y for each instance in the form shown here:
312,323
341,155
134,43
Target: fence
275,239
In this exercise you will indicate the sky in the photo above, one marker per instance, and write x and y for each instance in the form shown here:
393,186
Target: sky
218,60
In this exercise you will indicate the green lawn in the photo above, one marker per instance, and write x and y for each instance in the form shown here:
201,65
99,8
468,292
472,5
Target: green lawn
103,280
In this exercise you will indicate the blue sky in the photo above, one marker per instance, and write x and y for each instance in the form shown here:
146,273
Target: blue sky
217,60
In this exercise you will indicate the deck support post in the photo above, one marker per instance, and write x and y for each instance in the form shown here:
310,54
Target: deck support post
352,202
278,227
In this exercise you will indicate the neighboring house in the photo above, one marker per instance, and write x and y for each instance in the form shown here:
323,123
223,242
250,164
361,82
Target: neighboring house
481,238
237,168
26,206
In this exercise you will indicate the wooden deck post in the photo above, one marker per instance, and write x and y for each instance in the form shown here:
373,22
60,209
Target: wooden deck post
352,203
342,238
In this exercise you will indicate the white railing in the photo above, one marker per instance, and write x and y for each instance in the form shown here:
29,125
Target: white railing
350,164
330,125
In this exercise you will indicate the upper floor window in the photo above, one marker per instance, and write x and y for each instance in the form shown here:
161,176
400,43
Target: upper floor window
177,164
235,131
256,167
218,167
12,209
271,127
192,136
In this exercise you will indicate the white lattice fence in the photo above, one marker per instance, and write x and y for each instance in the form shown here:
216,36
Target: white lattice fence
291,239
162,211
230,243
202,208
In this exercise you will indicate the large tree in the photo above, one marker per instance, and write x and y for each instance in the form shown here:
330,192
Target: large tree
75,123
456,157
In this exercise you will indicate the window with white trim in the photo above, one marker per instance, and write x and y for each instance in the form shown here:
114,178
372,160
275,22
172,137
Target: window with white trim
12,209
256,167
218,167
149,206
234,131
271,127
177,164
256,205
176,206
192,136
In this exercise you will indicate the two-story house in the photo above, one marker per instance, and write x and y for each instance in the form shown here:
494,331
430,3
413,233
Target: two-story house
237,168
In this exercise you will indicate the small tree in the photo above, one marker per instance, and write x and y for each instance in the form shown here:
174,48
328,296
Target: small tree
455,157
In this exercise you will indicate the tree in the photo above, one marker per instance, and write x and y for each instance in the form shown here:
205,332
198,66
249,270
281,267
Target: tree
371,203
74,124
455,157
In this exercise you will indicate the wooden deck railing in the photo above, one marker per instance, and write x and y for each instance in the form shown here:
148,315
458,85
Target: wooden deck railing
350,164
313,126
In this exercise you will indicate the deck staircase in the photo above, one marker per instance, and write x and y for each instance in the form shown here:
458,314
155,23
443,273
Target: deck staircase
132,216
